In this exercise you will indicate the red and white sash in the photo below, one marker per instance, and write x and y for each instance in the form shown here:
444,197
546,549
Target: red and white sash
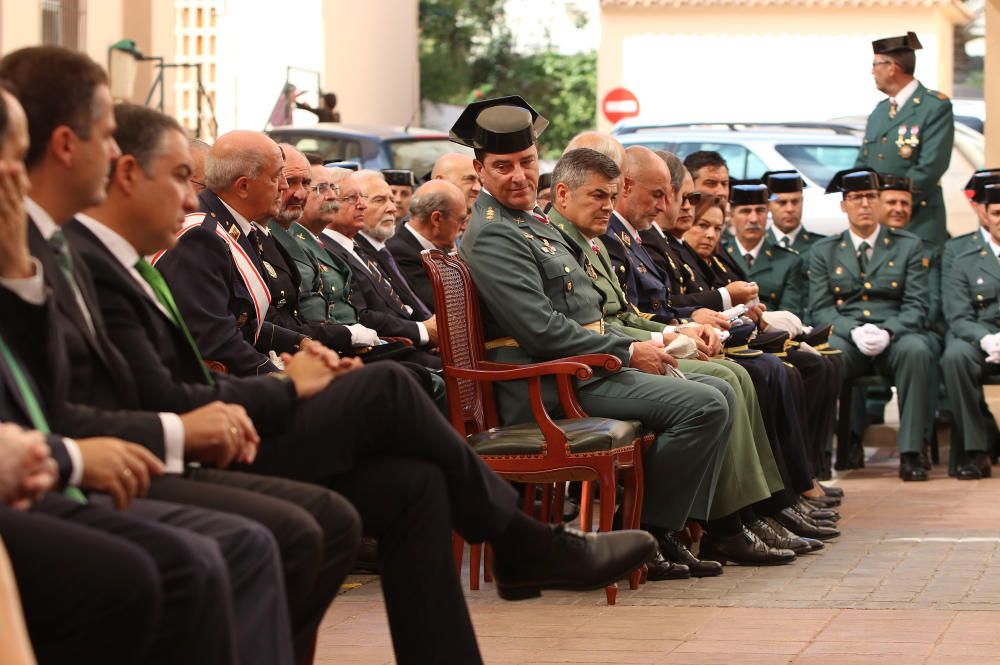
254,281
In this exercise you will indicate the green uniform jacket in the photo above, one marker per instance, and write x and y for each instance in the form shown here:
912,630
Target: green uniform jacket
617,311
803,241
893,294
960,245
917,144
972,295
777,272
332,301
310,286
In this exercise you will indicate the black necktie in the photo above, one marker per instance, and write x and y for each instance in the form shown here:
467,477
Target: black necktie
401,283
863,256
748,257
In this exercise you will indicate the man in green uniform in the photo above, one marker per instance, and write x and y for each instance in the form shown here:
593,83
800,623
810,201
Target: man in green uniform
775,269
870,282
975,189
539,303
972,306
910,133
786,216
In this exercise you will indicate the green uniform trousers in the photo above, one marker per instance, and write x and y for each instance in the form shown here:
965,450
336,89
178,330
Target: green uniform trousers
964,368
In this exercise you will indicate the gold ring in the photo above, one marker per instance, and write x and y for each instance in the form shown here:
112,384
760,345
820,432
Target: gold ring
233,431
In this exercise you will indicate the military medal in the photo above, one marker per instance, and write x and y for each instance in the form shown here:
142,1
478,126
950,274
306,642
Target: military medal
270,270
906,152
590,271
839,270
323,268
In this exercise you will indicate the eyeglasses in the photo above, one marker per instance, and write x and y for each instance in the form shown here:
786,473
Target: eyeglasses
692,198
879,63
352,199
324,187
857,198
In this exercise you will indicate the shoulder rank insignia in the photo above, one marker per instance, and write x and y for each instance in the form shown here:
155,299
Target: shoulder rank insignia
925,262
270,269
323,268
300,236
490,214
626,240
916,101
527,236
234,232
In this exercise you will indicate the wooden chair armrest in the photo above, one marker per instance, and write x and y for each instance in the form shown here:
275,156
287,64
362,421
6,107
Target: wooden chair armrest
216,366
405,341
511,372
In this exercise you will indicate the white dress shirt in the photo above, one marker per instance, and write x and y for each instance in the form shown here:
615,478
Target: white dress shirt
904,95
424,242
779,235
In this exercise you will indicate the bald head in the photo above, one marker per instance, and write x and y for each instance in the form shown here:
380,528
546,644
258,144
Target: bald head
244,169
647,187
437,212
602,143
459,170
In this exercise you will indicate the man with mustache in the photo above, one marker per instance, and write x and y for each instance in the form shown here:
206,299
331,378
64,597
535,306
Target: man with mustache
870,282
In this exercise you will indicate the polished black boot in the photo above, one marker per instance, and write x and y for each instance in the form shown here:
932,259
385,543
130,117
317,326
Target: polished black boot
911,468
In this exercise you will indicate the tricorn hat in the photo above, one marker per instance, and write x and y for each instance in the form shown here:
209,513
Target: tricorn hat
907,42
975,188
501,126
399,177
890,182
783,182
853,180
991,194
747,195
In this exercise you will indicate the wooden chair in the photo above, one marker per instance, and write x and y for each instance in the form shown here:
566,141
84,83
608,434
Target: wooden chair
546,451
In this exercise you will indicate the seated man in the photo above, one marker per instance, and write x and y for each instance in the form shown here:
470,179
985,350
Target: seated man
870,282
540,303
973,348
401,183
786,212
437,211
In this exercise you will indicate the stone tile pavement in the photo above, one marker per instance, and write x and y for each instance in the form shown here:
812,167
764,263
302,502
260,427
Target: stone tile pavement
914,579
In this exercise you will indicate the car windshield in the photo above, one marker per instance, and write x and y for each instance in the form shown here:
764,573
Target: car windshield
819,163
419,155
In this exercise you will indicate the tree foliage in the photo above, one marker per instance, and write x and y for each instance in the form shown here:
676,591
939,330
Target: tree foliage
467,53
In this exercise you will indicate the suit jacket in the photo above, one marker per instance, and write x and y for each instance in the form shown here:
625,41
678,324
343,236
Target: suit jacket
777,272
398,278
215,301
377,307
917,143
406,250
893,294
644,284
284,286
674,256
167,373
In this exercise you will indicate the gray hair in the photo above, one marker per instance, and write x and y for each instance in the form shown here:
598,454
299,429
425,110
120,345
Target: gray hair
675,166
575,166
424,204
222,172
602,143
365,174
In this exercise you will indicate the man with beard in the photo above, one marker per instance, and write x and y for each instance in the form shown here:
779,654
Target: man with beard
786,212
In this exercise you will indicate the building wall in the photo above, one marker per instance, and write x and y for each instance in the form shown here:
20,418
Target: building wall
20,24
726,63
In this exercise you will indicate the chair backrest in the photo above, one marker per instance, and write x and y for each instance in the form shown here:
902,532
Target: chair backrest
460,332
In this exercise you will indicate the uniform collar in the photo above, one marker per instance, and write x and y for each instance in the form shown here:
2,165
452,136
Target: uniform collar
779,234
628,226
755,252
377,244
857,240
904,95
241,221
995,248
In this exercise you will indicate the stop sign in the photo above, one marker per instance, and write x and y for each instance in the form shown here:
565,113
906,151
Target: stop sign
619,104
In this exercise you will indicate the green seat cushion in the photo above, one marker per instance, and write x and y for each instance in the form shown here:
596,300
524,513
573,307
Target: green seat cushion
585,435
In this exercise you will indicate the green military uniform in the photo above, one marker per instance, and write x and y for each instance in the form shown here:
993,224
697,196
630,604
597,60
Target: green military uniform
893,295
539,303
803,241
777,272
917,144
331,301
748,425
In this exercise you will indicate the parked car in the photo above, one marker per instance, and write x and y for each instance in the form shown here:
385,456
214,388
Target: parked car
816,149
371,146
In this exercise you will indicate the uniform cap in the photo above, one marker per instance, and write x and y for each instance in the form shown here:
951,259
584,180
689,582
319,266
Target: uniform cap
907,42
783,182
399,177
500,126
991,195
974,189
890,182
747,195
853,180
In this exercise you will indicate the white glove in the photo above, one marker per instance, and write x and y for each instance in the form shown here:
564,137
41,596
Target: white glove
783,321
993,358
682,347
362,336
879,340
864,340
990,344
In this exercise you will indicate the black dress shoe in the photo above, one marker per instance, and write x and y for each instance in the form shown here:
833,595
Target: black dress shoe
745,549
829,490
816,545
779,540
803,508
576,561
977,467
911,468
661,569
803,526
822,502
925,458
675,551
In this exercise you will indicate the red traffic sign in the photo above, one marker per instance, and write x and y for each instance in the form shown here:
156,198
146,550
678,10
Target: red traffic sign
619,104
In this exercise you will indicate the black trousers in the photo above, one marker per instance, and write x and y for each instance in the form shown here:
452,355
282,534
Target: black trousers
105,586
318,533
823,375
376,437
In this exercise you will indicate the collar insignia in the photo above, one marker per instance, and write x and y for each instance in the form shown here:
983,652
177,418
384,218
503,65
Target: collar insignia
234,232
490,214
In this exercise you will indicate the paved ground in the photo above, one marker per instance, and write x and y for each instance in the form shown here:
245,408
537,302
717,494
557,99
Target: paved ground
914,579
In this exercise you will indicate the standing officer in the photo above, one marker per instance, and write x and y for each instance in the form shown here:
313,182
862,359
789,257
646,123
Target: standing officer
973,350
910,133
786,212
870,282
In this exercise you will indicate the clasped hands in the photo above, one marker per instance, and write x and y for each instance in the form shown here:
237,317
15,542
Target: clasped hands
870,339
990,344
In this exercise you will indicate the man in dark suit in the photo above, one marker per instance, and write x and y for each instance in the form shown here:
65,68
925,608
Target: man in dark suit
215,271
328,427
437,211
213,435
